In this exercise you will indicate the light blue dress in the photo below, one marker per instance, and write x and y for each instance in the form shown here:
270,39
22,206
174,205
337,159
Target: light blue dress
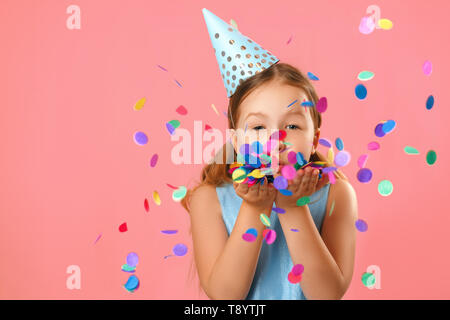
270,281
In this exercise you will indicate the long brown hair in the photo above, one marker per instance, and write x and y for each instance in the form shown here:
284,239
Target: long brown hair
216,172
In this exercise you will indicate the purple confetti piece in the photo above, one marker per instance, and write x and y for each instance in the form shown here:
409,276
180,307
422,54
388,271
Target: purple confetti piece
154,160
361,225
162,67
280,182
278,210
325,142
140,138
132,259
169,231
364,175
322,105
180,249
342,158
294,230
329,169
179,84
99,236
170,128
379,130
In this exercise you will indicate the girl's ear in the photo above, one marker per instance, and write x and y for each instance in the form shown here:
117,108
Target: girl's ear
316,138
234,139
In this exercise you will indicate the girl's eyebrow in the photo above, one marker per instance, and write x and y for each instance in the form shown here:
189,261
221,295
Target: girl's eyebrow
295,111
256,114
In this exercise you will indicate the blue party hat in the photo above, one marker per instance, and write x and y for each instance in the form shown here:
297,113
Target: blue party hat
238,56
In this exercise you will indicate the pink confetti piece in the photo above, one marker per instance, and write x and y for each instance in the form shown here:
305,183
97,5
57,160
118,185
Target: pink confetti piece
373,145
146,206
171,186
331,177
99,236
289,41
362,160
154,160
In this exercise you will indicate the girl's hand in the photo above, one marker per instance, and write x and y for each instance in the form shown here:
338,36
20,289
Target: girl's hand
261,197
305,183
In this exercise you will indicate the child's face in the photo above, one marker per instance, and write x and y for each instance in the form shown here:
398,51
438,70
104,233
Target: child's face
266,110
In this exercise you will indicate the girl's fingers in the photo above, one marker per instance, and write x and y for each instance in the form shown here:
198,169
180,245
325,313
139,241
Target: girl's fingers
263,188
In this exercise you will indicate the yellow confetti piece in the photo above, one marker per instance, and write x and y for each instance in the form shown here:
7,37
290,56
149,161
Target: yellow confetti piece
239,175
256,174
385,24
156,198
265,220
332,208
236,164
214,108
330,155
140,104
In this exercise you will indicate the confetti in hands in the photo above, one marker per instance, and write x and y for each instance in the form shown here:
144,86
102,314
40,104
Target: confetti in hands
255,162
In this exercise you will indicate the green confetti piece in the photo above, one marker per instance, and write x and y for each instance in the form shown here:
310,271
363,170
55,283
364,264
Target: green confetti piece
365,75
368,279
303,200
332,208
179,193
411,150
385,188
265,220
174,123
431,157
287,143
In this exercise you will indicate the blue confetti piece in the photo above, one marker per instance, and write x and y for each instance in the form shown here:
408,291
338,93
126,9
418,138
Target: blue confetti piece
339,144
361,92
307,104
312,76
430,102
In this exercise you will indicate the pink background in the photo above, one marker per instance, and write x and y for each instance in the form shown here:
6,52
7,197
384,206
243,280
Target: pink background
70,169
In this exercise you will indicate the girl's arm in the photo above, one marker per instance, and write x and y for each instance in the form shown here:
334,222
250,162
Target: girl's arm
226,265
328,259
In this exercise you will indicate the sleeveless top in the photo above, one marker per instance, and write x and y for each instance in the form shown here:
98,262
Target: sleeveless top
270,281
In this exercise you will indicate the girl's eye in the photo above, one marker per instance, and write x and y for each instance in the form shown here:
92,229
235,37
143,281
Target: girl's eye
258,128
295,126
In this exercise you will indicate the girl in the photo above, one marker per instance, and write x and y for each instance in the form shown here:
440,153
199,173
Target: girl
221,210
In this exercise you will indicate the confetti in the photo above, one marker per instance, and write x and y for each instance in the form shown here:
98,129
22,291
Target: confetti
128,268
339,144
169,231
154,160
207,127
360,91
366,26
181,110
385,188
234,24
331,177
365,75
278,210
132,259
171,186
364,175
379,130
288,172
427,68
389,126
294,230
214,108
179,250
385,24
291,103
132,283
285,192
146,206
330,155
289,40
172,125
332,208
311,76
257,147
269,236
239,175
140,104
252,231
140,138
303,200
293,278
368,279
123,227
322,105
298,269
342,158
162,68
362,160
179,193
411,150
325,142
156,198
179,84
265,220
430,102
431,157
248,237
373,145
361,225
307,104
99,236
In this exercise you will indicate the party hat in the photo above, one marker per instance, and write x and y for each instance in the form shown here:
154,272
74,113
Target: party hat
238,56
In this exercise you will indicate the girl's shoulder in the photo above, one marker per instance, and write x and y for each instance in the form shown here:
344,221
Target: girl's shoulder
204,199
